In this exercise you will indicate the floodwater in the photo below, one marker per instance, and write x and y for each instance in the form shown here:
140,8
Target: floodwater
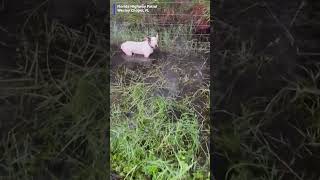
183,74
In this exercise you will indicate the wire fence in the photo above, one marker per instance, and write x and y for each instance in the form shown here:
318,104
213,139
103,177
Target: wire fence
194,28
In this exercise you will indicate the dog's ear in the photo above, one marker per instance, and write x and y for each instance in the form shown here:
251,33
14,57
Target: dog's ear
157,36
147,39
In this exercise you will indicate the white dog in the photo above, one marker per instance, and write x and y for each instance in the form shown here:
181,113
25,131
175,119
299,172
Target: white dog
144,48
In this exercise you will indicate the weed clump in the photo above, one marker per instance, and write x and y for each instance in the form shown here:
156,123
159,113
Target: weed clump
152,142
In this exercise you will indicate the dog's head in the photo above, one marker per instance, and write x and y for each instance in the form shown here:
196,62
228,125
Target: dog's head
153,41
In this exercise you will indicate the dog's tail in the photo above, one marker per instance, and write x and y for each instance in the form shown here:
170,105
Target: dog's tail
121,46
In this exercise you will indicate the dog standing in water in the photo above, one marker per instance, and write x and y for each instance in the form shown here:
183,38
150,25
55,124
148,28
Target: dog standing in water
144,48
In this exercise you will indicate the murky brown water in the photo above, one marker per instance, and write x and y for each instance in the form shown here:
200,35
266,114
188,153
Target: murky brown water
183,73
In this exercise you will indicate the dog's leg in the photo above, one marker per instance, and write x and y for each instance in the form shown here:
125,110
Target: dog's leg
128,53
146,55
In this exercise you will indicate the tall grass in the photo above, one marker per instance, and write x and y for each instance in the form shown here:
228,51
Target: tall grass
153,136
170,39
178,37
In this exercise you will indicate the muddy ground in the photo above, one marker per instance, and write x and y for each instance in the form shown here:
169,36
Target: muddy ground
195,66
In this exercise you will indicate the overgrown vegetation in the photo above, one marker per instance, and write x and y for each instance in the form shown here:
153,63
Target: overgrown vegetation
158,130
159,114
169,38
177,31
152,136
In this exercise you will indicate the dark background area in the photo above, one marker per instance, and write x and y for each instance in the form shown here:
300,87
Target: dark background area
45,89
265,67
